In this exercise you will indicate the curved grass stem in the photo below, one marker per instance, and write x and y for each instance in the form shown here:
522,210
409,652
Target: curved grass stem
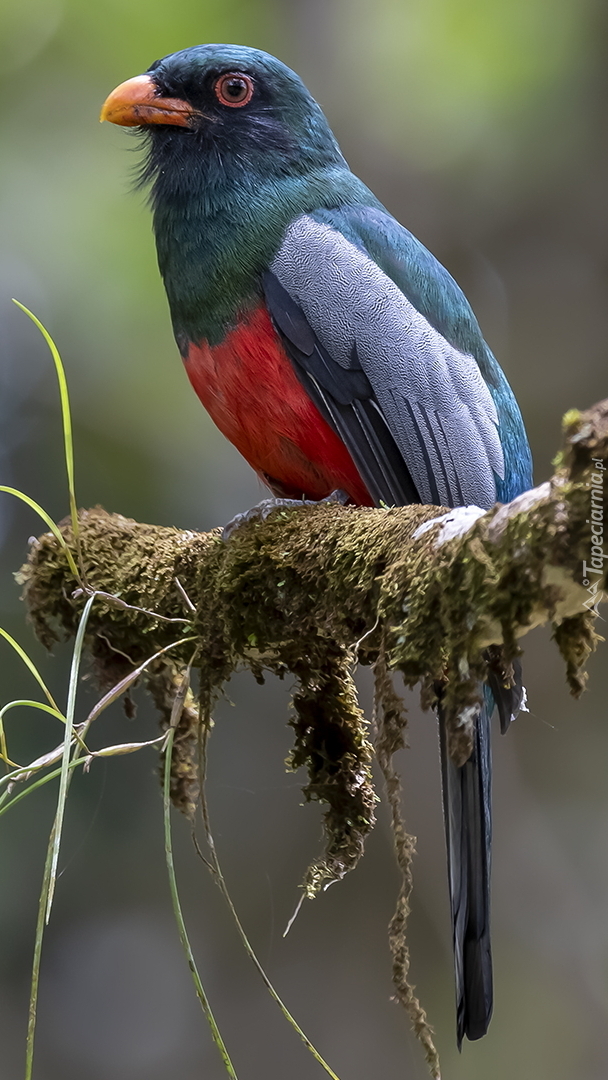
68,440
68,764
177,909
215,868
40,923
67,749
56,531
30,665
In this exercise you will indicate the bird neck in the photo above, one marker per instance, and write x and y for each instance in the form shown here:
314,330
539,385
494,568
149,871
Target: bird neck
215,240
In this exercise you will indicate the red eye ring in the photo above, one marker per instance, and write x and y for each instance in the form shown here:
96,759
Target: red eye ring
234,89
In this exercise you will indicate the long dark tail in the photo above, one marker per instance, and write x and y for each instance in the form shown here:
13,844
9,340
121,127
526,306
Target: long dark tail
468,825
467,808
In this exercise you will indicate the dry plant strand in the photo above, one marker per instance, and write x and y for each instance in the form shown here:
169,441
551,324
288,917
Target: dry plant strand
180,695
390,722
205,727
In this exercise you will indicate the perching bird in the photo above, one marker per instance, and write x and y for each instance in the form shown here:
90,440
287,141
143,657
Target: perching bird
333,350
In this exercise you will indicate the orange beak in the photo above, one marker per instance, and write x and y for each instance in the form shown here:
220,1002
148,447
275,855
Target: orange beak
137,102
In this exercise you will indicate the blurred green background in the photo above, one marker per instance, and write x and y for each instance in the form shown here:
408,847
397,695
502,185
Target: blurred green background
482,128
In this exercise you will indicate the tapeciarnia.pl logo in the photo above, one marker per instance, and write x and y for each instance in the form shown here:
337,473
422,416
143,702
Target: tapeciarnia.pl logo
595,566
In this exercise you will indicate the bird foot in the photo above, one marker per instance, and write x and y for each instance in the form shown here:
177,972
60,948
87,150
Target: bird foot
261,510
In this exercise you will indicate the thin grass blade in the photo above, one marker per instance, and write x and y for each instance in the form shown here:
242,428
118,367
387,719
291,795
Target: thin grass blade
56,531
68,440
28,704
67,748
31,1020
31,667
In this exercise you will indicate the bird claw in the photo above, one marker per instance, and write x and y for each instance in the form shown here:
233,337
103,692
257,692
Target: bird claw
263,509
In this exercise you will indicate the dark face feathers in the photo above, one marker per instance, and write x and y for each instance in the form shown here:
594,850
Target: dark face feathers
279,130
236,147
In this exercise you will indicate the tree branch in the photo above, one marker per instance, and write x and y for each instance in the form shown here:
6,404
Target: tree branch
437,595
310,591
441,585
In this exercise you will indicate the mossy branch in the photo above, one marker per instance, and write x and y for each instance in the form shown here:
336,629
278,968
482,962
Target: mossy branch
325,581
439,595
313,590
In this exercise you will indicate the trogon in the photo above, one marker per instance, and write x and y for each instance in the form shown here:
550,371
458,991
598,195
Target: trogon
334,351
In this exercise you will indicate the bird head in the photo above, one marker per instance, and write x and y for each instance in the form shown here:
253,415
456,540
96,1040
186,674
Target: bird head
230,108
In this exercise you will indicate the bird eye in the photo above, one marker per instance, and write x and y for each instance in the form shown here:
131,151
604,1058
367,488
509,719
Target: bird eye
234,89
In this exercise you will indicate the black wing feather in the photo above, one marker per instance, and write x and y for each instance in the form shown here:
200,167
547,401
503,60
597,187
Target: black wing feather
345,398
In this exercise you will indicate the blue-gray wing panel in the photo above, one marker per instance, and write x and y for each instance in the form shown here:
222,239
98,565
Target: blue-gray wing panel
431,397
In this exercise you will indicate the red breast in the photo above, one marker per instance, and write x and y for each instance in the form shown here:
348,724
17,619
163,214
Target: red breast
249,387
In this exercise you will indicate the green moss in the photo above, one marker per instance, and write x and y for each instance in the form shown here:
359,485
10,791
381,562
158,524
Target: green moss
312,591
